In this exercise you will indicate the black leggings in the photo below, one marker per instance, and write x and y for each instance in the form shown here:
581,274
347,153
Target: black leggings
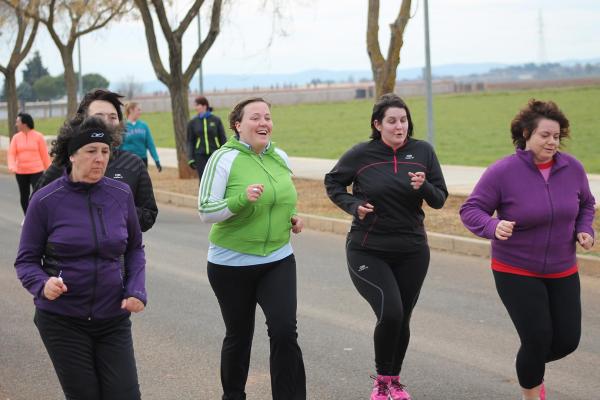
26,182
93,359
547,315
390,282
273,287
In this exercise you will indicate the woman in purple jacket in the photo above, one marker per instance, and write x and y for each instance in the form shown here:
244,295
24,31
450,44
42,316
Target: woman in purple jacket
75,233
544,207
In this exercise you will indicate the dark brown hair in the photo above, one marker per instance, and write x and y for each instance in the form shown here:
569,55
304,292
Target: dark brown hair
386,101
237,113
26,119
527,120
99,94
201,100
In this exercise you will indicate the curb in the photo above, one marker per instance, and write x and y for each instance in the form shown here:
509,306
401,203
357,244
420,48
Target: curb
588,265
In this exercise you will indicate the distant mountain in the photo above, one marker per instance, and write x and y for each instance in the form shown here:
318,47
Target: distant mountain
302,78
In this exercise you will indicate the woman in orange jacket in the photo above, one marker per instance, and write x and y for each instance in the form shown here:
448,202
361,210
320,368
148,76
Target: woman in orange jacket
27,156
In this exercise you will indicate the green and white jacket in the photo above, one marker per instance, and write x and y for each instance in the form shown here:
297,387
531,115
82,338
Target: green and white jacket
257,228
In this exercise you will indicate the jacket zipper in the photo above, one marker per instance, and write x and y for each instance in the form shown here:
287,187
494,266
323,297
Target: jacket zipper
550,229
95,256
102,224
269,216
395,163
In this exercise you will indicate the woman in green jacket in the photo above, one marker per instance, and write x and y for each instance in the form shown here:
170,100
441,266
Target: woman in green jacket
248,194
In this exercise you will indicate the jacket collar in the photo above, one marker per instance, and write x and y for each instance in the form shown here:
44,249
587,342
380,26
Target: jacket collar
79,186
527,157
238,144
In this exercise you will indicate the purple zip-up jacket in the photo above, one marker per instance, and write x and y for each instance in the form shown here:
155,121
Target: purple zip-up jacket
82,230
548,215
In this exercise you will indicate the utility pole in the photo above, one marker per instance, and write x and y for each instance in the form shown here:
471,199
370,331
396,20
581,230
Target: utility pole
430,128
200,80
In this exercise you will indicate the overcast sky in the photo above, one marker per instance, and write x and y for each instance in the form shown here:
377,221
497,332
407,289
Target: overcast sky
330,34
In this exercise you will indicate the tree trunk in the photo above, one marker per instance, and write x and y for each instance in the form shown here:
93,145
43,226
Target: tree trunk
66,54
384,70
180,111
12,101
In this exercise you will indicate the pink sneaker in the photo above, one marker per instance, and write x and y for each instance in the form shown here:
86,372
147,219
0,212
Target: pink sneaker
543,392
380,387
397,390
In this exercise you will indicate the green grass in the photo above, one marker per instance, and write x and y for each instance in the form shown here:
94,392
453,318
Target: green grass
470,129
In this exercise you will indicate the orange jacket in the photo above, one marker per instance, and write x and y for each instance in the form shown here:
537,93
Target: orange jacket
28,153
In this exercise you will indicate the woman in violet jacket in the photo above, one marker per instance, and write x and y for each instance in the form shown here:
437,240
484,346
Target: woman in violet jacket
544,207
75,233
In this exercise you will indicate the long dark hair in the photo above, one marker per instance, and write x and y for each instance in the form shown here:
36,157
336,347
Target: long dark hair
386,101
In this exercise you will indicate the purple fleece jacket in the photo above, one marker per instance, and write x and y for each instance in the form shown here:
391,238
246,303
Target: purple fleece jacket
82,230
548,215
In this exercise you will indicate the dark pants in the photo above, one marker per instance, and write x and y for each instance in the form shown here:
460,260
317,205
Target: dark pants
26,182
145,160
93,359
547,316
201,160
273,287
390,282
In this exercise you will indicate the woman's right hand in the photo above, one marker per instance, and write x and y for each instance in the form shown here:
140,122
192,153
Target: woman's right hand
54,288
504,229
254,191
364,209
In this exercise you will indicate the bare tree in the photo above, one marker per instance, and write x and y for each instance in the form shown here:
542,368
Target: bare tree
66,21
384,70
177,79
26,29
130,88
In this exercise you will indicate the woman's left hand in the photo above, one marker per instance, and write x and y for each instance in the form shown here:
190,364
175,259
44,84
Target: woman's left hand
416,179
297,224
585,240
132,304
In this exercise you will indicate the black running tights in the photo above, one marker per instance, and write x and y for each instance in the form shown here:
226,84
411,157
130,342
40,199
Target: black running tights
547,316
390,282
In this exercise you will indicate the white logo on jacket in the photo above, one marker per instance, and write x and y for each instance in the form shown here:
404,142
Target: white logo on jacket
409,157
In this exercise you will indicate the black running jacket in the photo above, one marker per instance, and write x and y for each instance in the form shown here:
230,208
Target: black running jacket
379,175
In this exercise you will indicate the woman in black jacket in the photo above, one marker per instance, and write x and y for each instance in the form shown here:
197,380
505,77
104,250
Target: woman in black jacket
122,166
386,248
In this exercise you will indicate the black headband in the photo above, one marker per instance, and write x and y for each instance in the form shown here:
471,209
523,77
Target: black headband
86,137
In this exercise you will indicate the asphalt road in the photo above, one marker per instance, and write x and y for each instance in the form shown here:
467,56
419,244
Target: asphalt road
462,347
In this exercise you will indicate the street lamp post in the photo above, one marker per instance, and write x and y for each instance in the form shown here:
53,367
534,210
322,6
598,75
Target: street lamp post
430,129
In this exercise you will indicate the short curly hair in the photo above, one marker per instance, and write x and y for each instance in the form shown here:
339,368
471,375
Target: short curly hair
237,113
72,128
528,118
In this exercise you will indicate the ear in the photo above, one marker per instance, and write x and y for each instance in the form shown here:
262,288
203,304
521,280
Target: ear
71,159
237,126
377,125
